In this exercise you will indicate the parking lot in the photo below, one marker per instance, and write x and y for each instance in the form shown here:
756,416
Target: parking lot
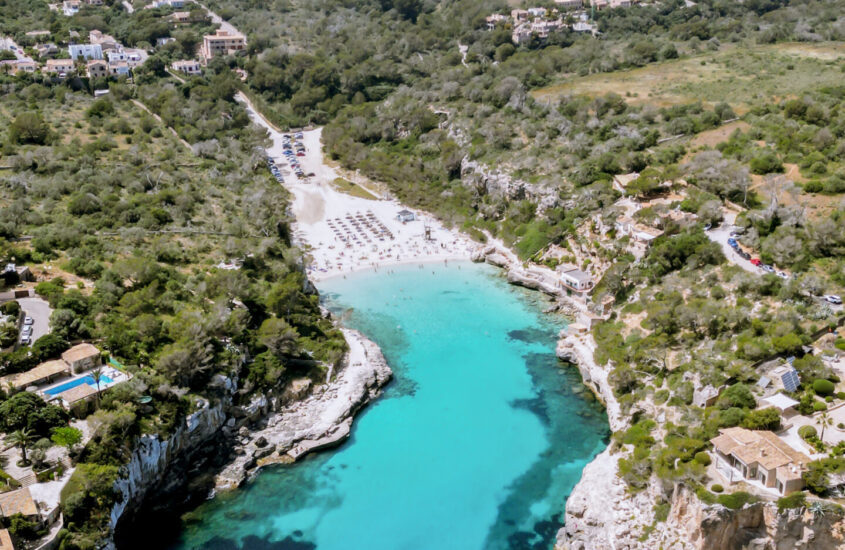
727,236
293,149
39,311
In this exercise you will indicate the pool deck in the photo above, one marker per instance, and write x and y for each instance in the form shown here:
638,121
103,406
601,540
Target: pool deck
112,373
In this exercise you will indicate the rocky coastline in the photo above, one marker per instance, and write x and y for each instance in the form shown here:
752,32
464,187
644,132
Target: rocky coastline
222,445
601,513
324,419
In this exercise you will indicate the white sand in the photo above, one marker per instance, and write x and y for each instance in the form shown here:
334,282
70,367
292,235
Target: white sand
324,219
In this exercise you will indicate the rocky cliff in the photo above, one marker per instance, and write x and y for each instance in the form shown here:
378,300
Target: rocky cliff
601,514
484,180
185,466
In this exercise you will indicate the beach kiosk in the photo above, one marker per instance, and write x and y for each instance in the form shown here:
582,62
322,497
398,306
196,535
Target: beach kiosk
405,216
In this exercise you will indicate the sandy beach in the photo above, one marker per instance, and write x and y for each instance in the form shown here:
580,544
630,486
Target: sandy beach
345,233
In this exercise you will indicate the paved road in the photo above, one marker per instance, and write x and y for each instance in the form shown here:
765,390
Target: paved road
40,311
8,44
721,235
224,25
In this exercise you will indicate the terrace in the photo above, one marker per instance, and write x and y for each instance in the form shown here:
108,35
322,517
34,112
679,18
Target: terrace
82,386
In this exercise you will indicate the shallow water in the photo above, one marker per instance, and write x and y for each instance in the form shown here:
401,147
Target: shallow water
474,445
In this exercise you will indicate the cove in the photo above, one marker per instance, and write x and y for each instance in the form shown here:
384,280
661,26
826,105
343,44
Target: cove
474,445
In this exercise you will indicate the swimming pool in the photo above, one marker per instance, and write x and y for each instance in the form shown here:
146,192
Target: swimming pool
104,380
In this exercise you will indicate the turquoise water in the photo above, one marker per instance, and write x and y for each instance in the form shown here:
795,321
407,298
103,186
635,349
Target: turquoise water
474,445
78,382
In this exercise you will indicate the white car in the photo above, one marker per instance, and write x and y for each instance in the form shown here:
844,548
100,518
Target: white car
833,299
28,320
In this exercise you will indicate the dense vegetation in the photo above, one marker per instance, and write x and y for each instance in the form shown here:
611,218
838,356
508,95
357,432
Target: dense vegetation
133,226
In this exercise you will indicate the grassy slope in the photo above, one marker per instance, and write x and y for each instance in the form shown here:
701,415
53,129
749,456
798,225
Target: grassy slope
736,75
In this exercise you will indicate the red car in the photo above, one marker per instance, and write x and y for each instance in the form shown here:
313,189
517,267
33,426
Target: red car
755,261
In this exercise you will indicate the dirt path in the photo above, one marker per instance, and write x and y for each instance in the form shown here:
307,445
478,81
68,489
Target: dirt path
158,118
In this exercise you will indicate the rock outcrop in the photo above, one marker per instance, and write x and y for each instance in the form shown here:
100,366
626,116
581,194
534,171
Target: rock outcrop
534,277
484,180
322,420
176,468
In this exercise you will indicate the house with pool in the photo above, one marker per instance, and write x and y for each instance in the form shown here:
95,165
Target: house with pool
75,378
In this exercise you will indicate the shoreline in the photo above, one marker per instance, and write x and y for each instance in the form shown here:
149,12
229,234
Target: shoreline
323,419
424,261
587,521
343,233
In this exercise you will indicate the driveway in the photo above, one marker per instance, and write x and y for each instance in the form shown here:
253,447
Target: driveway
8,44
40,311
721,235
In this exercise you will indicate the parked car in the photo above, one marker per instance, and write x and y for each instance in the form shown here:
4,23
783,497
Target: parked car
732,242
756,261
783,275
833,299
745,255
28,320
767,268
26,340
26,330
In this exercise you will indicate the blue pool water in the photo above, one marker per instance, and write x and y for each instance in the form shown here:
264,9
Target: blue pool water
104,380
475,444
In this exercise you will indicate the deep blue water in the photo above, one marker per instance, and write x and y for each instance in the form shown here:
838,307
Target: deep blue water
475,444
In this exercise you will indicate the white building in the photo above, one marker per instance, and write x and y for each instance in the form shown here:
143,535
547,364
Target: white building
70,7
187,66
116,55
575,279
405,216
166,4
638,232
120,68
85,51
495,19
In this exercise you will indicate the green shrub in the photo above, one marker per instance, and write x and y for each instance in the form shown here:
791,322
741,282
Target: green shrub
703,458
737,500
10,308
807,432
823,387
639,433
762,419
819,406
766,163
716,488
661,511
737,395
705,496
795,500
661,396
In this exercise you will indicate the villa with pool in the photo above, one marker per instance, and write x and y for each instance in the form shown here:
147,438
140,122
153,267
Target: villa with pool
78,376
